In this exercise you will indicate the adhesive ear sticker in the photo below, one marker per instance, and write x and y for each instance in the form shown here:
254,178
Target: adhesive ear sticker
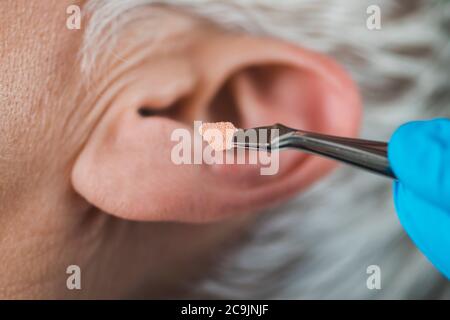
219,135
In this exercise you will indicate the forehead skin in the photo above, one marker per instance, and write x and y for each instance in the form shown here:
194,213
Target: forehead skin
37,68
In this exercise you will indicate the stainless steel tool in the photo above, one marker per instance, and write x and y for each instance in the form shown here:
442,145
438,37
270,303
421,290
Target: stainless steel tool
365,154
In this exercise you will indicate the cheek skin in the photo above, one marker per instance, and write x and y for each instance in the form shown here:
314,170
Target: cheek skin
37,92
36,74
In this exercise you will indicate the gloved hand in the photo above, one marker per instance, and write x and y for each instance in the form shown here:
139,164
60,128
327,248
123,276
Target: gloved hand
419,154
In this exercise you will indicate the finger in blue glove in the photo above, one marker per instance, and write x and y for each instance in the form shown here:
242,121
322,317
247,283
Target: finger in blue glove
419,154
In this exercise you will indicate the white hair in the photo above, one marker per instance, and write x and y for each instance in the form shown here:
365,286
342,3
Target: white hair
323,241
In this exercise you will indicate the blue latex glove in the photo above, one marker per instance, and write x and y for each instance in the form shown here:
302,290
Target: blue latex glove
419,153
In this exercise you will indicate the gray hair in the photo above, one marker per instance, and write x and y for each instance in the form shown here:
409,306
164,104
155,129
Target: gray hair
321,243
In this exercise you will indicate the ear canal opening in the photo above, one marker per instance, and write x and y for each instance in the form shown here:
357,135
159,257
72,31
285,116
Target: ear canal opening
224,106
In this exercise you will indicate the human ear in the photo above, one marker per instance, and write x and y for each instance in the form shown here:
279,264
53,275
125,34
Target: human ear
126,170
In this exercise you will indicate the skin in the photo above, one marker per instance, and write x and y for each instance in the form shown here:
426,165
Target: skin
79,184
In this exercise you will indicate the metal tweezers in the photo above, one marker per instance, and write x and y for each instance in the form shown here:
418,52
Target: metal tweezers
365,154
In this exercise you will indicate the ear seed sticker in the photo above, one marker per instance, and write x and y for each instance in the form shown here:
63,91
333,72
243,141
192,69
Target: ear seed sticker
219,135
